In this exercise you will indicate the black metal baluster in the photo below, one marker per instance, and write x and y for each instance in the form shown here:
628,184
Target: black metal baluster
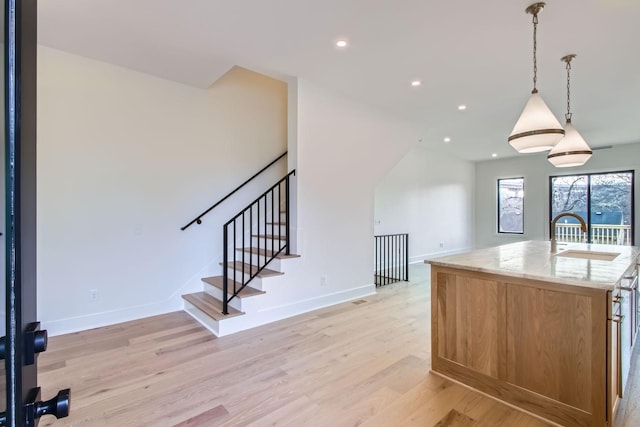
266,227
398,275
258,233
375,260
394,245
406,257
273,241
234,254
287,218
386,260
381,260
389,259
384,240
392,258
279,216
250,239
225,274
242,248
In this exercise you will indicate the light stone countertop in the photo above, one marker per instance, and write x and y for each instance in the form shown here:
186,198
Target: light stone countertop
533,260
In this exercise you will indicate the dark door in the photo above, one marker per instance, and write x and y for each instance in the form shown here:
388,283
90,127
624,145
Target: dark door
23,339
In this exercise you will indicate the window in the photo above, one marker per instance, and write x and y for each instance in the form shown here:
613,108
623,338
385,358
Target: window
511,205
603,200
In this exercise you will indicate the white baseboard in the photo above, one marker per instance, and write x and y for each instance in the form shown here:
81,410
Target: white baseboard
106,318
272,314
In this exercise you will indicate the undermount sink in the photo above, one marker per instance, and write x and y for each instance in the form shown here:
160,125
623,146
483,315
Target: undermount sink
601,256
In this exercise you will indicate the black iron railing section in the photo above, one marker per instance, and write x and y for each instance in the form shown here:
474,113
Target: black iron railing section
391,258
254,237
198,219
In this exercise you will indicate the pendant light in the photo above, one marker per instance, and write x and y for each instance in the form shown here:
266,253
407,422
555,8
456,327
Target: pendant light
537,129
572,150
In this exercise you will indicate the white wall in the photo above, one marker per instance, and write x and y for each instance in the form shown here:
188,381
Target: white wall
536,171
430,196
344,149
124,160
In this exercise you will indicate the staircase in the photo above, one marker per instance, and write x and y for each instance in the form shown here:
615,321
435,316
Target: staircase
255,250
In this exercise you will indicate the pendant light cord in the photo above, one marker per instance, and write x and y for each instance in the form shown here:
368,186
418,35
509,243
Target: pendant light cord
535,49
568,115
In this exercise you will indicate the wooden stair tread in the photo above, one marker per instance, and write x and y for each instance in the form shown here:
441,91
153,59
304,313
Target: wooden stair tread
268,252
238,265
218,282
270,236
210,306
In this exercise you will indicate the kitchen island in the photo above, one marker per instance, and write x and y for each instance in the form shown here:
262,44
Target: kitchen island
550,333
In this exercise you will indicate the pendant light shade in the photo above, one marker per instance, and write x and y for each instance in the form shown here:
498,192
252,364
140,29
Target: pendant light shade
537,129
571,151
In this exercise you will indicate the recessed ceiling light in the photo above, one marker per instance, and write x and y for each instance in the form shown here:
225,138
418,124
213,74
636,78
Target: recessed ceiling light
462,107
494,155
416,83
447,139
341,43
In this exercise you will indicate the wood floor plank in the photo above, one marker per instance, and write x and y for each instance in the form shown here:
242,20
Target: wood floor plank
350,364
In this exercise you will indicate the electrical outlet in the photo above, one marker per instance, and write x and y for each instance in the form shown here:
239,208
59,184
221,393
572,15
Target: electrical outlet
323,280
442,244
93,295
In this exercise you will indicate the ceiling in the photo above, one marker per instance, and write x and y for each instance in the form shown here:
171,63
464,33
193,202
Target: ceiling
478,54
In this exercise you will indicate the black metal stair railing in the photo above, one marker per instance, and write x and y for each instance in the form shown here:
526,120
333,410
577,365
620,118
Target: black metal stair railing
391,258
198,219
254,237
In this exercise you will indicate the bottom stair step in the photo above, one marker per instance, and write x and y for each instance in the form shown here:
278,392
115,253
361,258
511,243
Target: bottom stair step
210,306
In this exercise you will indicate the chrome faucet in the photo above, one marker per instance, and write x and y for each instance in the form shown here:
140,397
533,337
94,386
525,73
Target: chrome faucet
583,227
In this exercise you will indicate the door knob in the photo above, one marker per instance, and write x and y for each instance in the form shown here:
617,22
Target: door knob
35,341
57,406
34,408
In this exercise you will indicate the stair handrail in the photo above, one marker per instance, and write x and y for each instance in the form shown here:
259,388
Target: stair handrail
274,253
198,219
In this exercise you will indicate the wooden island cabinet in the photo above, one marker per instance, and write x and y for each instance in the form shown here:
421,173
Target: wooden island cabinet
541,331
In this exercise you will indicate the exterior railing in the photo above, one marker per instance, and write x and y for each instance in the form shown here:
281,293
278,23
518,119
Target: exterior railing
391,258
608,234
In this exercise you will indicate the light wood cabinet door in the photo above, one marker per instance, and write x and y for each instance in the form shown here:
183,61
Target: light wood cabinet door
550,344
470,323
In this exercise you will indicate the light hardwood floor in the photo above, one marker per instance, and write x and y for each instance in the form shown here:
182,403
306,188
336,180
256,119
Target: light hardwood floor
359,363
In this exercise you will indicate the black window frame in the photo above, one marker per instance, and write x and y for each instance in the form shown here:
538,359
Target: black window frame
498,227
588,219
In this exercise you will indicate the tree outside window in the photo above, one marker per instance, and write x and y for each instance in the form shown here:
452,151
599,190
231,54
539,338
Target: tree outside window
603,200
511,205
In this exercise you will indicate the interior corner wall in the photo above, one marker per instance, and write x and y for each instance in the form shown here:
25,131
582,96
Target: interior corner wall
536,170
343,149
124,160
428,195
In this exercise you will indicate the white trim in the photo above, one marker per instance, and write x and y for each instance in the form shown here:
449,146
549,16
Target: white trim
272,314
106,318
96,320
